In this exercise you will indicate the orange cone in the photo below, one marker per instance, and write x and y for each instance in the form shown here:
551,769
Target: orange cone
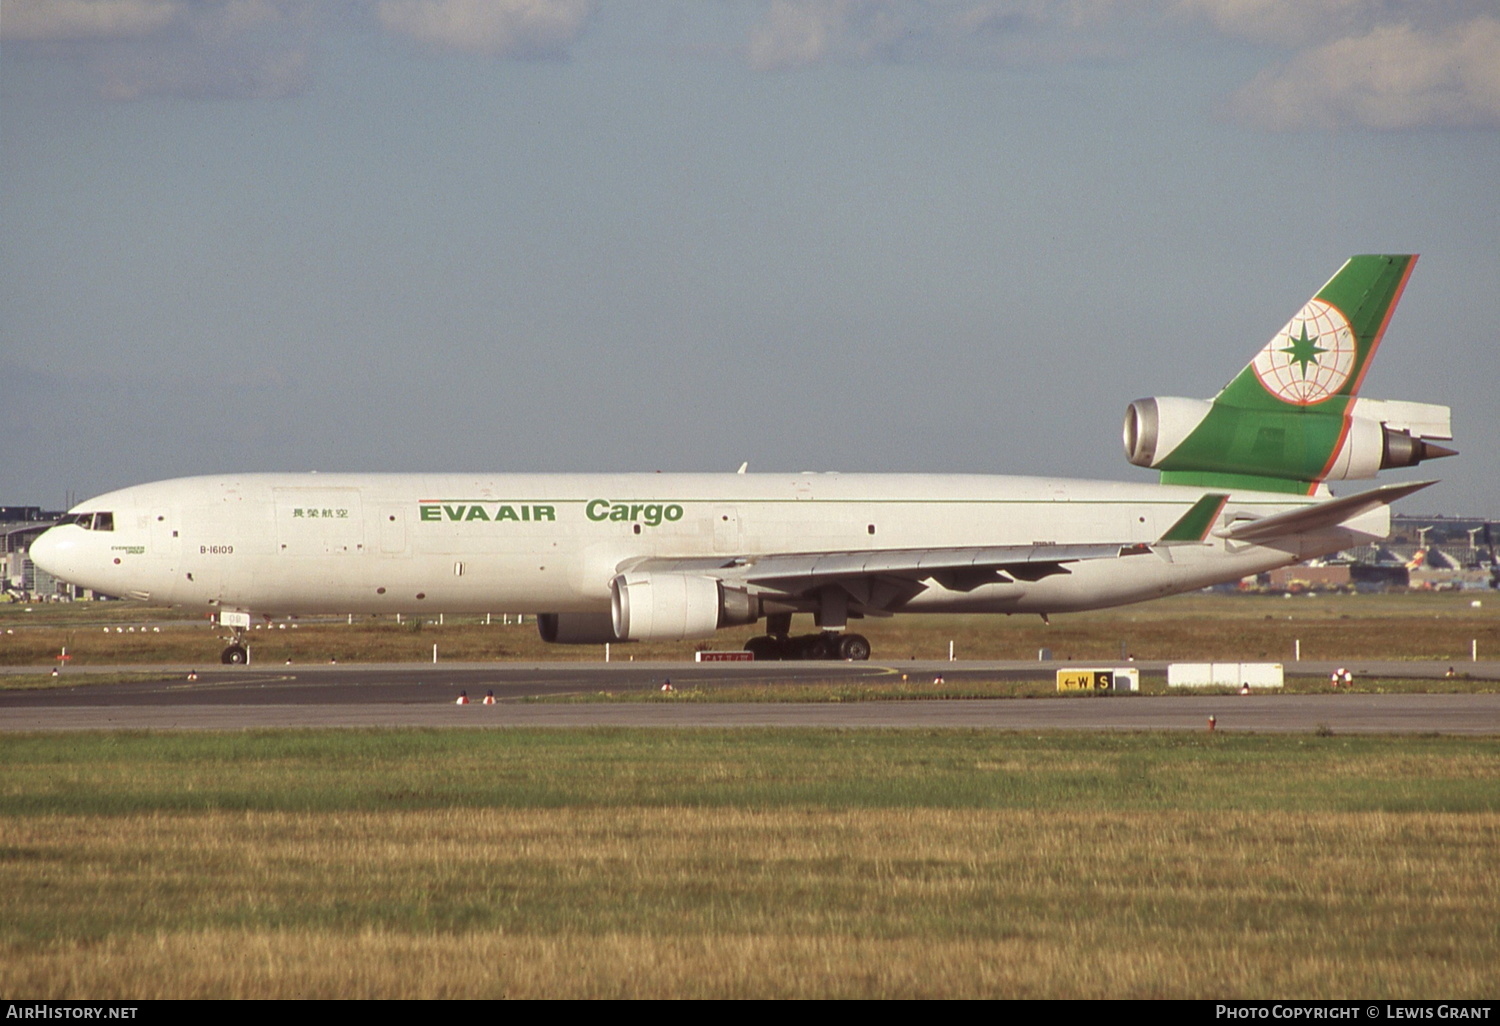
489,698
463,698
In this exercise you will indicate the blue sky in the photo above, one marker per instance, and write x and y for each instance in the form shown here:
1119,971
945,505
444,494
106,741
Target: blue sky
834,234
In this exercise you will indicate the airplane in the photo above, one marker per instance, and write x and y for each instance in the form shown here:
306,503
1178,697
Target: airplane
601,558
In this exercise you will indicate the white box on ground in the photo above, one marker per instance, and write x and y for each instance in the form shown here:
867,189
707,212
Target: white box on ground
1262,675
1225,675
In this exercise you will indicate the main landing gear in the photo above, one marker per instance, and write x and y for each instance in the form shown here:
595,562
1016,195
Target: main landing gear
777,643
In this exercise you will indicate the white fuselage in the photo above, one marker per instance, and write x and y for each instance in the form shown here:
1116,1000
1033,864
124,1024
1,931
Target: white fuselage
286,544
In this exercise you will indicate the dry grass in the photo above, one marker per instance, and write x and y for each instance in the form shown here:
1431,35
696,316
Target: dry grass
384,965
762,863
733,902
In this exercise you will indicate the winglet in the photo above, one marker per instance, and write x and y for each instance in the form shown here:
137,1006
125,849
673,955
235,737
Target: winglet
1193,526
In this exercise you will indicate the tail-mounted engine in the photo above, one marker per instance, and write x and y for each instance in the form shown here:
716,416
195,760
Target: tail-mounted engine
1192,435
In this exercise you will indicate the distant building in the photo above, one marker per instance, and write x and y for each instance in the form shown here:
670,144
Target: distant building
1464,542
1311,578
19,577
1428,553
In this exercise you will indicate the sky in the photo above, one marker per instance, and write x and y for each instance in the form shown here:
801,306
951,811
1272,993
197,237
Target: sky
604,235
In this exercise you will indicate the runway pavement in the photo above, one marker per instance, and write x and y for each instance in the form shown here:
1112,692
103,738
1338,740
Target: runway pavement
423,695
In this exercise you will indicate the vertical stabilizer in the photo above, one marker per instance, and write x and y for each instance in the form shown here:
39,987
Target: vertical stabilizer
1321,356
1287,422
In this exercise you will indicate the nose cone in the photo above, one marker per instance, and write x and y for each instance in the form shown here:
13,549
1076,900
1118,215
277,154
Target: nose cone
56,551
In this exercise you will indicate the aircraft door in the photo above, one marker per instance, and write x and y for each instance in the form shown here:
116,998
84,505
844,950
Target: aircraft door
165,544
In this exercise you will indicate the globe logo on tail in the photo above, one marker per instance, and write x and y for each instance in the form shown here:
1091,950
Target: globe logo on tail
1309,360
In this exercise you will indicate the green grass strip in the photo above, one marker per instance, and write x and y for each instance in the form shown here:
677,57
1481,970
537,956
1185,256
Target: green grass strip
373,770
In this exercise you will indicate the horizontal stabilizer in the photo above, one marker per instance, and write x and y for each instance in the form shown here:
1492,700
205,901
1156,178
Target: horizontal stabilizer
1320,516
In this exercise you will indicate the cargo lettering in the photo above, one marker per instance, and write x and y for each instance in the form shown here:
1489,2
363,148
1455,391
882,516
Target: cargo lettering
466,512
652,514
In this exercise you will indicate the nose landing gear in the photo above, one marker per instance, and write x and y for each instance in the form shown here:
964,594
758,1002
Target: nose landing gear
237,653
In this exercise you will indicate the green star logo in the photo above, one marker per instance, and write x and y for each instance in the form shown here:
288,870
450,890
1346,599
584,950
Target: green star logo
1304,351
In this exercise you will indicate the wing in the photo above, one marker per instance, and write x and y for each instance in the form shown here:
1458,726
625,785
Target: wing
881,580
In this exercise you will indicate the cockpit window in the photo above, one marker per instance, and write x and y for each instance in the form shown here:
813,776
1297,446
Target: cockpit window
90,521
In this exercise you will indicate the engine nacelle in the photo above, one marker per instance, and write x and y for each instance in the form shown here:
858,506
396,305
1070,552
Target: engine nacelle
576,628
675,607
1156,426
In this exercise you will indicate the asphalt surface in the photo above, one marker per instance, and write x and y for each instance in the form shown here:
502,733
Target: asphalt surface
424,695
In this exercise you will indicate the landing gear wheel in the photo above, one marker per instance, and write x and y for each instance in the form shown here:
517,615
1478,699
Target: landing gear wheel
763,648
854,648
812,646
235,655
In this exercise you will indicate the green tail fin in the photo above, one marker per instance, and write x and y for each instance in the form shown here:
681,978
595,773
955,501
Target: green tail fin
1281,423
1322,354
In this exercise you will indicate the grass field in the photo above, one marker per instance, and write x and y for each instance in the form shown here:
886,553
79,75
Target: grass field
760,863
1440,626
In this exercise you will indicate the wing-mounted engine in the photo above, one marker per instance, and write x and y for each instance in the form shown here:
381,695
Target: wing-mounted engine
674,607
576,628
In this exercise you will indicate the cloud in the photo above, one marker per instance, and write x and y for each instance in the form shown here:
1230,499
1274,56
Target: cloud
496,28
802,33
1286,22
1384,64
193,49
1392,77
62,20
265,49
